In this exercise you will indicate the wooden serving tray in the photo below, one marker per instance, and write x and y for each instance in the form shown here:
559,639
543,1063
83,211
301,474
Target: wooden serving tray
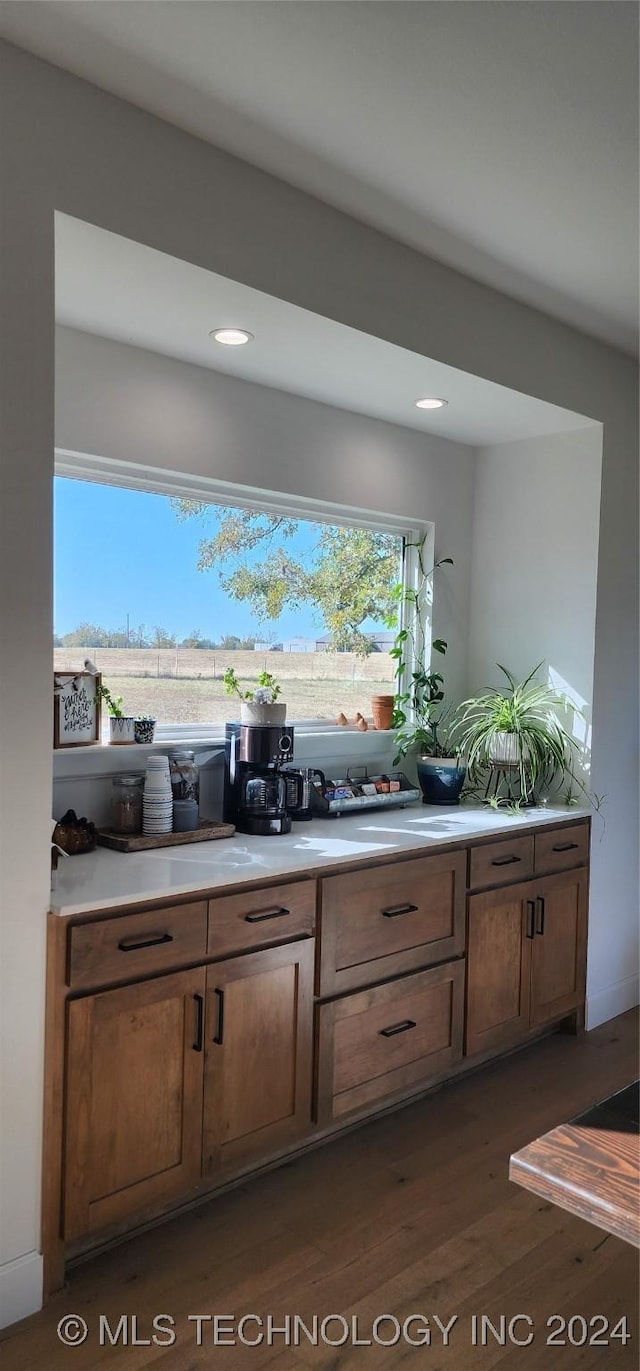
141,842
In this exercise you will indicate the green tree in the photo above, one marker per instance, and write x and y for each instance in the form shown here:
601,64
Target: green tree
347,577
161,638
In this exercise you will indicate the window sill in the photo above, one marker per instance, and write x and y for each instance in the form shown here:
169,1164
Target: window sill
318,741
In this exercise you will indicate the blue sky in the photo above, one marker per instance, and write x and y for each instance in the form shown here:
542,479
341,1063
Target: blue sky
125,552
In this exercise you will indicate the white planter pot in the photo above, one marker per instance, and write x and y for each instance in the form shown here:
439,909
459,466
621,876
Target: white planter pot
122,730
267,716
505,748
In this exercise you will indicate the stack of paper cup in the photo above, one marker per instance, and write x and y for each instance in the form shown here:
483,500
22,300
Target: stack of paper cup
157,800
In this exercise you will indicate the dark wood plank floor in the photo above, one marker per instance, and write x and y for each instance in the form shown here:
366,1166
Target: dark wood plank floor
412,1214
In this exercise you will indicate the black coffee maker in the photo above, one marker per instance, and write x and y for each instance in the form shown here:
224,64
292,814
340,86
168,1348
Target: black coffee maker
255,789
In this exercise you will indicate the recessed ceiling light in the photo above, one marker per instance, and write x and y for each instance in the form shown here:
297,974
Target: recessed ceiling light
233,337
431,404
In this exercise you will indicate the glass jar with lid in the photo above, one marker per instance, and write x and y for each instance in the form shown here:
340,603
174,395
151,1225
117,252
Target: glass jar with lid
185,777
126,804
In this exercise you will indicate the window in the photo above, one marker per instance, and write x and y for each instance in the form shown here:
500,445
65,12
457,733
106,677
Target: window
166,592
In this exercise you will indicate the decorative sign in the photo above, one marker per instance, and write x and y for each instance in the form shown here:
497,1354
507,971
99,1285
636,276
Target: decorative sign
76,709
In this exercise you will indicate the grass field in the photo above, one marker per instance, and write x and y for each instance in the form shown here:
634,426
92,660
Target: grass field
184,686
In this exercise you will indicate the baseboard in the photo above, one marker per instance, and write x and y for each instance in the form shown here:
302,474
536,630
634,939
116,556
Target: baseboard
20,1288
614,999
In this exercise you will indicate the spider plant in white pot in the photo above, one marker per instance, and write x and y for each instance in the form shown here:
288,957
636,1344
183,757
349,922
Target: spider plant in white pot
516,727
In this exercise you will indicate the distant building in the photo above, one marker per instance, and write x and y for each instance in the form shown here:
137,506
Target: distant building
299,645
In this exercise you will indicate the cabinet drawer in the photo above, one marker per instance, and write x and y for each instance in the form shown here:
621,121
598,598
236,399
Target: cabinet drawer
561,848
510,859
384,1040
259,918
384,920
136,945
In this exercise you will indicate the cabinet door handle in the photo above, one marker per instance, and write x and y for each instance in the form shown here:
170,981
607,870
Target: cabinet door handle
564,847
395,909
531,931
266,914
397,1028
505,861
197,1046
219,1036
134,945
540,904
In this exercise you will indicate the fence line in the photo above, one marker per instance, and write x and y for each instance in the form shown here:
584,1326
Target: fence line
200,663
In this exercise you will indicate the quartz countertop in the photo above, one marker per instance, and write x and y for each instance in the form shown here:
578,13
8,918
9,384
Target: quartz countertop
105,879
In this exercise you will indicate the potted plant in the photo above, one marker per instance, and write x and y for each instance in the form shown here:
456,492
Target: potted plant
257,706
423,726
515,729
144,729
122,726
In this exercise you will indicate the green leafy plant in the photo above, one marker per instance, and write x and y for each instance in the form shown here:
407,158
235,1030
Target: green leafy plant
266,692
421,722
113,702
543,751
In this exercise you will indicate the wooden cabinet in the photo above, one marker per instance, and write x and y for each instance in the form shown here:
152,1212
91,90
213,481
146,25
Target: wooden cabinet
492,864
381,921
257,1095
131,946
380,1041
258,918
559,948
526,958
499,935
205,1057
558,849
134,1099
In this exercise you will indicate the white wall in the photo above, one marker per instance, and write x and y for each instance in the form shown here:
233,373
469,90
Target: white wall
535,559
533,596
129,405
70,147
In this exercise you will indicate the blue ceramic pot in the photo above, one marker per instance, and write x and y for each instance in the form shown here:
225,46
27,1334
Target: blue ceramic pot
441,779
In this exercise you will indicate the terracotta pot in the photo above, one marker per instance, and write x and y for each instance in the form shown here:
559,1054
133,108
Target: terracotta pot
382,710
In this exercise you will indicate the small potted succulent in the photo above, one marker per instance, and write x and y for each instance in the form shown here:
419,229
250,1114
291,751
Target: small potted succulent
257,706
144,728
121,725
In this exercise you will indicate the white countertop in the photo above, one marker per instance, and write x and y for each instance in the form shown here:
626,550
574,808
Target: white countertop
104,879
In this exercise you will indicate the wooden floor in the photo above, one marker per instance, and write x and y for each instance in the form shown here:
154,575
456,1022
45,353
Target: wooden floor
411,1214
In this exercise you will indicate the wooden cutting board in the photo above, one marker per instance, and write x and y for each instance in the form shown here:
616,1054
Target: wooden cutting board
141,842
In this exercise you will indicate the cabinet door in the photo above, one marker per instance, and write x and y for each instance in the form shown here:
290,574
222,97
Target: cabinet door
259,1039
134,1099
559,949
499,941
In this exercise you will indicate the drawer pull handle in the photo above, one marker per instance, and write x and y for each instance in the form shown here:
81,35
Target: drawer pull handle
134,945
198,1044
564,847
397,1028
219,1036
531,930
395,909
505,861
540,904
267,914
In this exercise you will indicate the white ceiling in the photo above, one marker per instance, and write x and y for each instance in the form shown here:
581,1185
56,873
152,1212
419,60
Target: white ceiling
500,137
111,286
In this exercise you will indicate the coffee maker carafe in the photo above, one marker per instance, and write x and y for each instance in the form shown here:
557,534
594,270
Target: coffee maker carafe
255,792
